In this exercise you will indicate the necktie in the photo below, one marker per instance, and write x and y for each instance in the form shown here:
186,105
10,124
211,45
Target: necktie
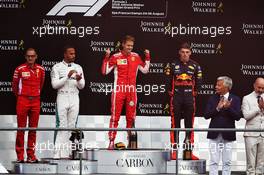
69,65
258,97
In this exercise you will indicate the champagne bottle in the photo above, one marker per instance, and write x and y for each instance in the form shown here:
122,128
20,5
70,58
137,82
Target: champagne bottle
132,136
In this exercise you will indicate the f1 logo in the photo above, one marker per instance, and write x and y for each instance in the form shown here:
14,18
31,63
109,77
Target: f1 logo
89,7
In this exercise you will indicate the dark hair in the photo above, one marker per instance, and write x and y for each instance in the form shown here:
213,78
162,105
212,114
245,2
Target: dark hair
65,48
185,45
128,38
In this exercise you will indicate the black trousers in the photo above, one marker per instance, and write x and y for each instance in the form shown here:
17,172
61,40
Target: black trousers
182,107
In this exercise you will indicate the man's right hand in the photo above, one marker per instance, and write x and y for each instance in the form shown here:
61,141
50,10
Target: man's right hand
227,103
107,53
261,104
147,55
71,72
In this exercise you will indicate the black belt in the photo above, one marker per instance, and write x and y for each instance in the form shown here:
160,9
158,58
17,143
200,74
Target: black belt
32,97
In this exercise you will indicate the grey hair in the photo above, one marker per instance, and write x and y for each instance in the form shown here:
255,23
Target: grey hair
227,81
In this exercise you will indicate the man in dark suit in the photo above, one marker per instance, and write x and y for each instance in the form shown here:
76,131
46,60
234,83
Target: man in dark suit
223,109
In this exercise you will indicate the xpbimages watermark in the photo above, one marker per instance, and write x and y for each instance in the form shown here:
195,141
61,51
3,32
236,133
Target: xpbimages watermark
50,146
213,147
80,31
146,89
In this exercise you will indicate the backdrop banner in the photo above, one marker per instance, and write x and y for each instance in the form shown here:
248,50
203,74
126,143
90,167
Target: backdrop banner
227,38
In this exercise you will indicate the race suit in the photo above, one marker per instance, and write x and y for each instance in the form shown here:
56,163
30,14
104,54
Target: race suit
67,107
125,74
185,81
27,84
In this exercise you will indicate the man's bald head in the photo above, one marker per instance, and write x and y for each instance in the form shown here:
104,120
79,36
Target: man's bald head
259,85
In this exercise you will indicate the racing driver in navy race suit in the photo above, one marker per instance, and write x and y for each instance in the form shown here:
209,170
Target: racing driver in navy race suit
185,80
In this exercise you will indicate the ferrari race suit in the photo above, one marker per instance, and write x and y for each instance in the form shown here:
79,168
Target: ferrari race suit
185,81
27,84
67,107
125,75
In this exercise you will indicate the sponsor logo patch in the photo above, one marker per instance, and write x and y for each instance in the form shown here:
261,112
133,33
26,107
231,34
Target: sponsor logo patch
122,62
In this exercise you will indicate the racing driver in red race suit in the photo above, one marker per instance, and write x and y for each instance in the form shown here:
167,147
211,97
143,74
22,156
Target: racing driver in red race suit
125,64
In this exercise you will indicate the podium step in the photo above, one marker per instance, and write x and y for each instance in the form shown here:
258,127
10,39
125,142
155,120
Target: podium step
35,168
149,161
187,166
56,167
73,166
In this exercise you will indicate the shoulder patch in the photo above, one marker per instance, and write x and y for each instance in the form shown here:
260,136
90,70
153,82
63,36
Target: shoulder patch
117,54
134,54
191,67
21,67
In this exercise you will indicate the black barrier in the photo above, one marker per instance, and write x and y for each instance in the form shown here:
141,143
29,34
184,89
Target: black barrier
131,129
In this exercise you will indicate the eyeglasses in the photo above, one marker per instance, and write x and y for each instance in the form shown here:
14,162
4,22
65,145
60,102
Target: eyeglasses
30,56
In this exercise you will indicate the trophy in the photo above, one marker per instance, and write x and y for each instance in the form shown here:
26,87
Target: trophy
132,139
76,136
187,152
120,146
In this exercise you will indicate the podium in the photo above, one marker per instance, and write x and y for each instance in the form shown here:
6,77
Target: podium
141,161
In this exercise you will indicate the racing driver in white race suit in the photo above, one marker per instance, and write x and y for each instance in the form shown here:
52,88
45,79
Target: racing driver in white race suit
67,77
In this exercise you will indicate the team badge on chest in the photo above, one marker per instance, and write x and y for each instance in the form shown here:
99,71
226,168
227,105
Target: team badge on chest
133,58
37,72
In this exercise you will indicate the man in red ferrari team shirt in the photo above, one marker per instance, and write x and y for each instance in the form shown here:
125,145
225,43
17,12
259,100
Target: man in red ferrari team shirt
28,81
125,64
